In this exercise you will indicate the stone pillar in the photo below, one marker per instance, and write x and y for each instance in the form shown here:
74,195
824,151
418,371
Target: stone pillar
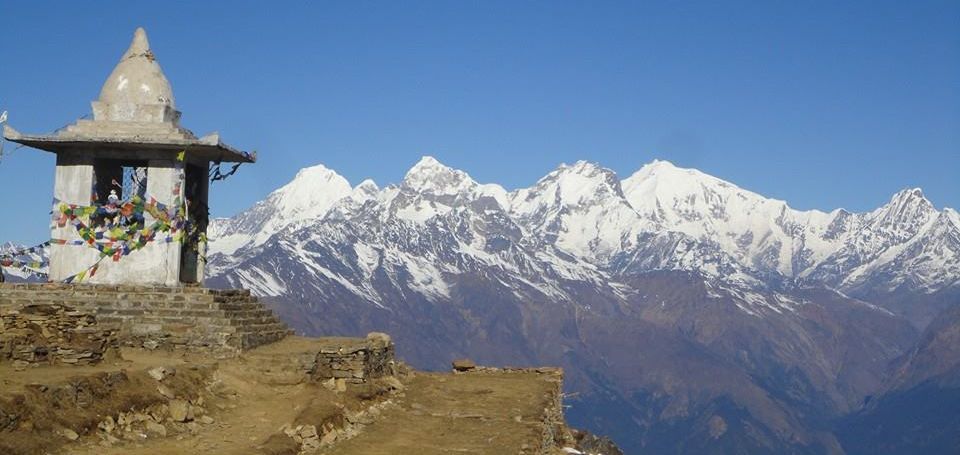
203,193
73,184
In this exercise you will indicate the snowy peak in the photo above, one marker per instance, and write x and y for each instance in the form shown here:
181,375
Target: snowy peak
367,189
910,195
431,188
662,217
431,176
585,181
672,195
952,216
761,233
581,209
570,186
904,215
667,171
311,192
908,203
304,200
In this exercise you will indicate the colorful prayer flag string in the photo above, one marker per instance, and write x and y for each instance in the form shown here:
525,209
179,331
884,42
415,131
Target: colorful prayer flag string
121,229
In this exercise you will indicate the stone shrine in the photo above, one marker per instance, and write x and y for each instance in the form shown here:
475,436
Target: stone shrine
128,234
130,191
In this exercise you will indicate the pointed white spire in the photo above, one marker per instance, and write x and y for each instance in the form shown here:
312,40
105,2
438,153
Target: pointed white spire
139,46
136,81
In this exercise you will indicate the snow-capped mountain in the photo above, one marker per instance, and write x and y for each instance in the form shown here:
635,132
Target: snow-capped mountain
26,258
670,297
302,201
660,218
906,242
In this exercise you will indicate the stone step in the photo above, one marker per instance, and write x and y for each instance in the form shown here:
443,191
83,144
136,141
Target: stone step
188,315
237,306
200,321
272,332
27,298
252,340
92,304
251,311
234,298
21,290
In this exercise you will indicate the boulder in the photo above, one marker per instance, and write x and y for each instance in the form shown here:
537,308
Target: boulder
165,391
107,425
379,339
394,383
180,411
160,373
463,365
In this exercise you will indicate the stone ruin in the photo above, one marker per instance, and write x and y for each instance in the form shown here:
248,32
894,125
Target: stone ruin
52,333
355,360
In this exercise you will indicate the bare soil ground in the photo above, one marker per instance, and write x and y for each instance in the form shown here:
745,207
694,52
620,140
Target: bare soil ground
474,413
255,404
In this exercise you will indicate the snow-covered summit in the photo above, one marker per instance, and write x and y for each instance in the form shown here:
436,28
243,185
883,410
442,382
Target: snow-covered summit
662,217
432,176
907,211
761,232
580,208
306,198
310,194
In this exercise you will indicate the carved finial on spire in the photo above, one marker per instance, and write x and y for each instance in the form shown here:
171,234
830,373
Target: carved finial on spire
140,46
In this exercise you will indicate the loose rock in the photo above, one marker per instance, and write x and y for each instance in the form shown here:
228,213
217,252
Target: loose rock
180,411
69,434
156,428
463,365
107,425
159,373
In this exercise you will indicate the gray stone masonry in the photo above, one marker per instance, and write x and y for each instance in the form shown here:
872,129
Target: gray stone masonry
53,334
355,360
154,316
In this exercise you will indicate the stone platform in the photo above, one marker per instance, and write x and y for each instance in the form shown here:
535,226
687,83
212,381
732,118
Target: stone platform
152,317
353,360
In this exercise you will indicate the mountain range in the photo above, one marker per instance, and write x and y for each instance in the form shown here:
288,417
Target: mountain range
690,315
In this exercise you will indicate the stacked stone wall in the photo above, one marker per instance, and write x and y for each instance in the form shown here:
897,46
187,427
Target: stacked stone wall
151,316
357,362
52,333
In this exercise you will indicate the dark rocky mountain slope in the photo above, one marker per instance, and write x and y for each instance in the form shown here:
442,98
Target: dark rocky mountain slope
689,315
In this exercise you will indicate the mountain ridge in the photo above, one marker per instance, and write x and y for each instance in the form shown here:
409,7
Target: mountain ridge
759,235
709,308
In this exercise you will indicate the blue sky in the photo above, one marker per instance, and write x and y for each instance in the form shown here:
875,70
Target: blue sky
823,104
